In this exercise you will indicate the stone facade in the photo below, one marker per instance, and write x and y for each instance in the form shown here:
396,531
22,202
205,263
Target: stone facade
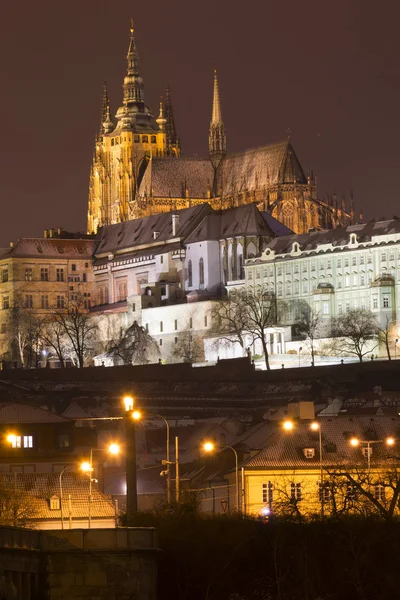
39,275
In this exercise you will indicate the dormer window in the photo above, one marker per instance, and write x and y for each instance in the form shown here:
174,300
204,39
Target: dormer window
156,234
353,238
309,452
295,248
54,503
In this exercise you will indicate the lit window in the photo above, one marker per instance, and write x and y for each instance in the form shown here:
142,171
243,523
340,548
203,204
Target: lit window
60,274
64,440
309,452
267,493
44,274
323,491
295,491
28,274
4,276
28,441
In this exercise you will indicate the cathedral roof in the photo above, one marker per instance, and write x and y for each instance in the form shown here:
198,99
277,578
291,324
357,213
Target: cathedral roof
244,171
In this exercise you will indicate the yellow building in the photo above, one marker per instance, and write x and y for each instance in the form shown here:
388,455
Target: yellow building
288,475
40,275
137,169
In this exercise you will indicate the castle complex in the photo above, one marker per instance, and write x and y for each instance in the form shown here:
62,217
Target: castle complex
138,169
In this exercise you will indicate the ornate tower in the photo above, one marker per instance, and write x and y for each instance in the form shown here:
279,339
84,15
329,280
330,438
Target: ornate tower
216,139
123,150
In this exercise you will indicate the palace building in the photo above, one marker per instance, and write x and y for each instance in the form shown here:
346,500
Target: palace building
138,169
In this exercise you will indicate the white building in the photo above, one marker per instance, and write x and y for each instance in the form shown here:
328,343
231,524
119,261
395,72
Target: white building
332,272
166,270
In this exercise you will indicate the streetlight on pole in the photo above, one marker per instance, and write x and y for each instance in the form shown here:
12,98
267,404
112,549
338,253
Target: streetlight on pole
355,442
61,493
300,349
210,447
87,467
167,461
131,417
315,426
395,347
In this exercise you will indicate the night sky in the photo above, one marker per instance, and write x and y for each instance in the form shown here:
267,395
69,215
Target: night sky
327,71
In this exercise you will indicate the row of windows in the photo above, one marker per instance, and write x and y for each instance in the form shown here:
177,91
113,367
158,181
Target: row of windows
188,323
44,302
28,441
362,303
324,492
137,139
60,274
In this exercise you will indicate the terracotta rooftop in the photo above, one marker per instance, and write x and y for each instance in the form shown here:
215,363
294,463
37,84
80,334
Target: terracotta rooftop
40,487
286,449
12,413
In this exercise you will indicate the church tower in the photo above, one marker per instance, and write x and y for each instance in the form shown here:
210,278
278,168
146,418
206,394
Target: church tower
216,139
124,147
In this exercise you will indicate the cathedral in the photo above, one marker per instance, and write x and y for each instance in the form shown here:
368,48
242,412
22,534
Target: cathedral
138,169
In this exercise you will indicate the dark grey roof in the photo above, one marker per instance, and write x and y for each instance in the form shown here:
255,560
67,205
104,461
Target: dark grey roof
241,220
337,237
140,232
246,171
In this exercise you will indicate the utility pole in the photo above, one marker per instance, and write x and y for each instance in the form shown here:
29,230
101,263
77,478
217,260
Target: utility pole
131,468
177,482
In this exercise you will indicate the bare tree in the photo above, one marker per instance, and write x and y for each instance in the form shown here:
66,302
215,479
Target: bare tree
309,329
25,329
228,320
16,508
188,348
387,334
54,336
249,312
355,328
134,346
78,326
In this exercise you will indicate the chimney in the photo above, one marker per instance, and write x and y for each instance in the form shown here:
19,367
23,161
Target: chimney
175,225
51,231
45,233
11,244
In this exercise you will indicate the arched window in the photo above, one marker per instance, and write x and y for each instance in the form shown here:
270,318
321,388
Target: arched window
201,273
190,274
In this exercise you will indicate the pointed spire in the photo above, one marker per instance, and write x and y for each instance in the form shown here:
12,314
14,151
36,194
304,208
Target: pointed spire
216,140
170,129
161,120
133,83
107,124
216,109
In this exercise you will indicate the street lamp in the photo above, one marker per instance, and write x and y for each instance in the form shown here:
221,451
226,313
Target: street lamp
130,419
355,442
288,425
167,457
87,467
395,347
315,426
210,447
300,349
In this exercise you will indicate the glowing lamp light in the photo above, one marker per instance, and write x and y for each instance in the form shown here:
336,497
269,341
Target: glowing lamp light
11,438
266,511
390,441
288,425
208,446
114,448
354,442
136,415
128,402
314,426
86,467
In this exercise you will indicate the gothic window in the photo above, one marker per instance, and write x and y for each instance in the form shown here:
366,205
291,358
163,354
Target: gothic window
190,274
201,273
287,214
240,267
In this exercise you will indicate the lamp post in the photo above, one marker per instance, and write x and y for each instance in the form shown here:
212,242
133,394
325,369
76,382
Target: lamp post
300,349
315,426
167,456
395,347
61,493
131,417
87,467
210,447
355,442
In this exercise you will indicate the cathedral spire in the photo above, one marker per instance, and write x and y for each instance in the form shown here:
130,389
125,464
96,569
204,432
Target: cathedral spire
107,124
172,140
133,83
216,140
